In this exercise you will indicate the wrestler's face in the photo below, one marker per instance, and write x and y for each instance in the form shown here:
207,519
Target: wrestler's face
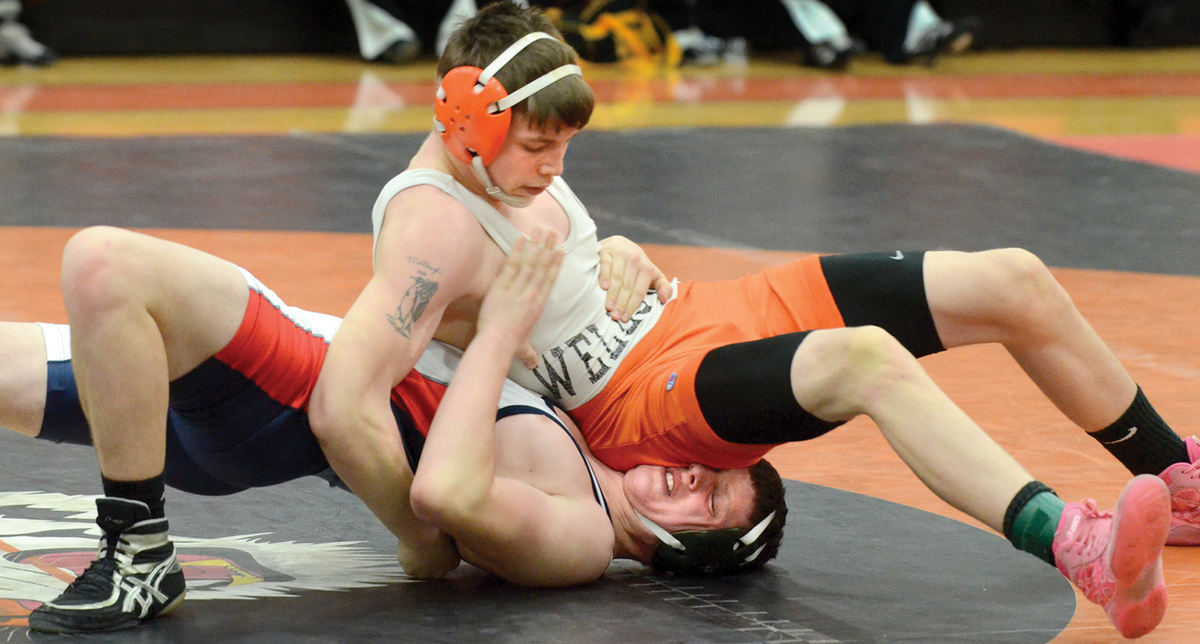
691,498
530,157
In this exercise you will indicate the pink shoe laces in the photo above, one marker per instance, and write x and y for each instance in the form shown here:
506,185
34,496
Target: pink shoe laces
1184,483
1079,551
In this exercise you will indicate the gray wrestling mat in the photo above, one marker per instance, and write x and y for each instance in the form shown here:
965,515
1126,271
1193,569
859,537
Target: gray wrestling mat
844,189
305,563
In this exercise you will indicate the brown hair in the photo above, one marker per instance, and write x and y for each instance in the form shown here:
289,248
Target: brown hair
480,39
768,497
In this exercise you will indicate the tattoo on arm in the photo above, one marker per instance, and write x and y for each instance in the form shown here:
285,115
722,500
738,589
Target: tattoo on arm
416,299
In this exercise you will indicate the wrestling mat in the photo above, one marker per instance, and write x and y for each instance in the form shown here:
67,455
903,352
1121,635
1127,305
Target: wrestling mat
863,188
303,562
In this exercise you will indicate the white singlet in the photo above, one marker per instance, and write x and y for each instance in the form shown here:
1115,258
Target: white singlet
579,345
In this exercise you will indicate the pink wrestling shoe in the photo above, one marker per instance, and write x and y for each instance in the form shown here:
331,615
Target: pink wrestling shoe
1183,480
1115,557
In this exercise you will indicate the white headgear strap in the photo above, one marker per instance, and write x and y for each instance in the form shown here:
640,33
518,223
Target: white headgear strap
531,88
494,190
669,539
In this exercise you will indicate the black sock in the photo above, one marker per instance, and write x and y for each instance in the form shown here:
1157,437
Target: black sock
149,491
1141,440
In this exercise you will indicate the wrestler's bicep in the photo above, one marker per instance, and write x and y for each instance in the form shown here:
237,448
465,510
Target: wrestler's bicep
537,539
426,261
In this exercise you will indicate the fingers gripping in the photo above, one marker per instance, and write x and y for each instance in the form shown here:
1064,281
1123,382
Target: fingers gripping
626,273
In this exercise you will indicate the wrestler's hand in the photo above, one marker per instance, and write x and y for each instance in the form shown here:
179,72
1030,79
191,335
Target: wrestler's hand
428,553
516,299
627,274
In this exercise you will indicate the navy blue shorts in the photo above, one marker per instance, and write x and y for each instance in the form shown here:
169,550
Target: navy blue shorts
236,421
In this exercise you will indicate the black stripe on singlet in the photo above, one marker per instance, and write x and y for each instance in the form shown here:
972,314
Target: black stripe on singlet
513,410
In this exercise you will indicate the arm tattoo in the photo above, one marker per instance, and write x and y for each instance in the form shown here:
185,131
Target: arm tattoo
416,299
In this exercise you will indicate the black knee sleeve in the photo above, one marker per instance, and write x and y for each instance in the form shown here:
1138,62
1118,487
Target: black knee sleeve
745,393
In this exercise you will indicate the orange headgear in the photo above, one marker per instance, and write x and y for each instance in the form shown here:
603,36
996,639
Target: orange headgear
471,111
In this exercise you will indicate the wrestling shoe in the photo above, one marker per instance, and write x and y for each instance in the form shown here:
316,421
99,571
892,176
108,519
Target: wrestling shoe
401,52
18,47
824,55
1183,480
1115,557
699,48
945,37
134,577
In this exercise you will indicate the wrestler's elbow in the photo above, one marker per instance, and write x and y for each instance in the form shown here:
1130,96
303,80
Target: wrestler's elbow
431,502
332,414
443,501
428,553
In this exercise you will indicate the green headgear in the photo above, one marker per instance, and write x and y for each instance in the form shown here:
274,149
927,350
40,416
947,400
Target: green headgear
708,553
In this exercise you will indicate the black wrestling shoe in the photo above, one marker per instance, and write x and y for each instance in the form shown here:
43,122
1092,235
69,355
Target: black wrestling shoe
134,577
824,55
401,52
17,47
947,37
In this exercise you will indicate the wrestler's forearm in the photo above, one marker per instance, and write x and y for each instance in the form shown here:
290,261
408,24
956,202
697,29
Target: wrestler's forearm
368,456
359,438
458,462
369,469
350,410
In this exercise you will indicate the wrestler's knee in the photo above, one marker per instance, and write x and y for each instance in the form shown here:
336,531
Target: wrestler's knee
99,263
1026,295
837,373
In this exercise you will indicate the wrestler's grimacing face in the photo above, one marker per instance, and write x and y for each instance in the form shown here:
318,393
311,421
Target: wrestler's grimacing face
691,498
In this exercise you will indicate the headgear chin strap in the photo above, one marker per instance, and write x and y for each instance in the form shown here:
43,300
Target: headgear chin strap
472,111
494,190
707,553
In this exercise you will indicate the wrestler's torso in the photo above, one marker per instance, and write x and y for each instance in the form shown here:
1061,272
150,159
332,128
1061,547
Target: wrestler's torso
534,443
578,344
433,178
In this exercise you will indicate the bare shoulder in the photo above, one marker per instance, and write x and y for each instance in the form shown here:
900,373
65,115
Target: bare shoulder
543,525
535,449
424,225
427,207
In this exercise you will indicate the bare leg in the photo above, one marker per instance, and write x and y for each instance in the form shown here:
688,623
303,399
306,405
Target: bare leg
143,311
840,373
1008,296
23,378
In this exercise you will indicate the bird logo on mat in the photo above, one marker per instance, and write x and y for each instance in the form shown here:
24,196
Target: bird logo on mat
39,556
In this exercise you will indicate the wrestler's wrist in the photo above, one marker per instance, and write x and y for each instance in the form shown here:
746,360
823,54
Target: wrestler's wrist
501,341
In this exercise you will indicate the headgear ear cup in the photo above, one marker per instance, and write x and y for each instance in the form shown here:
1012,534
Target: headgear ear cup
471,111
466,114
708,553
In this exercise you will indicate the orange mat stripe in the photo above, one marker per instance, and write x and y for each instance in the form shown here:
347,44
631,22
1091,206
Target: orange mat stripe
229,95
1174,151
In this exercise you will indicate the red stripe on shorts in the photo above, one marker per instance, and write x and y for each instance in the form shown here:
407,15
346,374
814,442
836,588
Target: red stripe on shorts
279,356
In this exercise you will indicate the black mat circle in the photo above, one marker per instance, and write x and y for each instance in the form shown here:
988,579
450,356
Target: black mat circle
852,569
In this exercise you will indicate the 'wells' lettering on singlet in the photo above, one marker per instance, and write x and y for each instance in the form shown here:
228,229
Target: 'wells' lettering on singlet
594,354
